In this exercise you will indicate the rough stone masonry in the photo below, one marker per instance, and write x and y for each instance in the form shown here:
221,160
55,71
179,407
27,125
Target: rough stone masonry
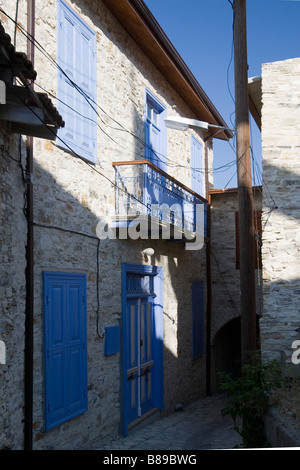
280,224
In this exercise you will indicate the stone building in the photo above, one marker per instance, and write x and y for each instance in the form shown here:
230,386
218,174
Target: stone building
274,104
225,335
275,107
278,94
103,323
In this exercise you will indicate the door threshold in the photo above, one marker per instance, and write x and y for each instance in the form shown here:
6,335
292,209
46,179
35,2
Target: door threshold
147,418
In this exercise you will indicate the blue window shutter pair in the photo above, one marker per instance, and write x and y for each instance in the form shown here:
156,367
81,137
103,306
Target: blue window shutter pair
77,84
65,346
197,319
196,166
155,132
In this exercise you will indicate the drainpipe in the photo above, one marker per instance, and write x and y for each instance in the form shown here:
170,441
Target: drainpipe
208,278
28,365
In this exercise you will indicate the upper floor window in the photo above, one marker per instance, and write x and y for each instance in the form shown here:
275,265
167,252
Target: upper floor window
155,132
77,86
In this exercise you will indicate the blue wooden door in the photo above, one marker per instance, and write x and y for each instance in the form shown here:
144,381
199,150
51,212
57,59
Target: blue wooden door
142,341
140,364
65,346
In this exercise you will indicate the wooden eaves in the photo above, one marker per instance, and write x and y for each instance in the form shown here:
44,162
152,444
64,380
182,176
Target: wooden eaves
27,112
255,99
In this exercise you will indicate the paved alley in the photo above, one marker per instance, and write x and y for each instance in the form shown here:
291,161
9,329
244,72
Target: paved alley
199,426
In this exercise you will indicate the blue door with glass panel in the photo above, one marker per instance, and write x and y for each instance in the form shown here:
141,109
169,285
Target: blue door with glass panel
142,342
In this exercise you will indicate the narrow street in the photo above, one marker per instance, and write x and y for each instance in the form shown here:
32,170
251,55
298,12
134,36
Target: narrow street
199,426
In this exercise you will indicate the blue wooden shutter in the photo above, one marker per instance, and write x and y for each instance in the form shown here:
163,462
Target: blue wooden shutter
197,319
155,132
112,340
65,346
196,166
77,84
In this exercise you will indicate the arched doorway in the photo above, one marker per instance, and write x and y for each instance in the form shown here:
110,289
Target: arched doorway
227,348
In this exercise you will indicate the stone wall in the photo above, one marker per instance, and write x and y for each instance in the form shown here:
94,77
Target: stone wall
225,280
70,197
281,227
13,234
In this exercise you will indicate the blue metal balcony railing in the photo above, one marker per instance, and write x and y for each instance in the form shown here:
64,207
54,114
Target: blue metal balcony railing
142,189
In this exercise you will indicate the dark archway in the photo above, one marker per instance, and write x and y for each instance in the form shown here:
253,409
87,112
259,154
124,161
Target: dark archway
227,348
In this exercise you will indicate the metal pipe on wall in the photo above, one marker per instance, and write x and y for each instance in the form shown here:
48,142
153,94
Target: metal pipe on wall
208,275
28,362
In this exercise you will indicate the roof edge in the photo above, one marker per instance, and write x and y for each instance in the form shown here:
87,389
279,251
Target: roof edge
147,20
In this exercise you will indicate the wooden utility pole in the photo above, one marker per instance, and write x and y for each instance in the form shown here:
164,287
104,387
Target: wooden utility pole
245,195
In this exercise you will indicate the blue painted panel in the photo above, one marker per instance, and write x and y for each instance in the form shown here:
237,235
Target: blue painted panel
196,166
147,355
155,131
112,340
197,319
77,85
131,365
65,346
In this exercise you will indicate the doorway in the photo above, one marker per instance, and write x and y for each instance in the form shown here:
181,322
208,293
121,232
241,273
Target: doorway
142,360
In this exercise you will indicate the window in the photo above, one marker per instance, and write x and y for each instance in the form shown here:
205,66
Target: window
65,342
76,57
155,132
197,319
196,166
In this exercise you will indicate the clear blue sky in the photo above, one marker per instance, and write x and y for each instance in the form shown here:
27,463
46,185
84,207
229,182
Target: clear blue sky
201,31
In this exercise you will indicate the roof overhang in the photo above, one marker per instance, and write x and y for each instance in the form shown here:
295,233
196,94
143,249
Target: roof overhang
255,99
140,24
26,111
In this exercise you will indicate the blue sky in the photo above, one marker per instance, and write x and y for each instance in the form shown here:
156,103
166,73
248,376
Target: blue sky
201,31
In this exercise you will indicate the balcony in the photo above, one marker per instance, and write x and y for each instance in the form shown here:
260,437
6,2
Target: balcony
146,193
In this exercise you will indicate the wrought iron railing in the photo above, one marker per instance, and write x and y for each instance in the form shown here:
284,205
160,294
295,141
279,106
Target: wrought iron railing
142,189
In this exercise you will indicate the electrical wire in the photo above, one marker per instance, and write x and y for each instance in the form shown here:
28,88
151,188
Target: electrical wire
88,98
171,163
224,284
87,163
94,105
16,23
221,168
